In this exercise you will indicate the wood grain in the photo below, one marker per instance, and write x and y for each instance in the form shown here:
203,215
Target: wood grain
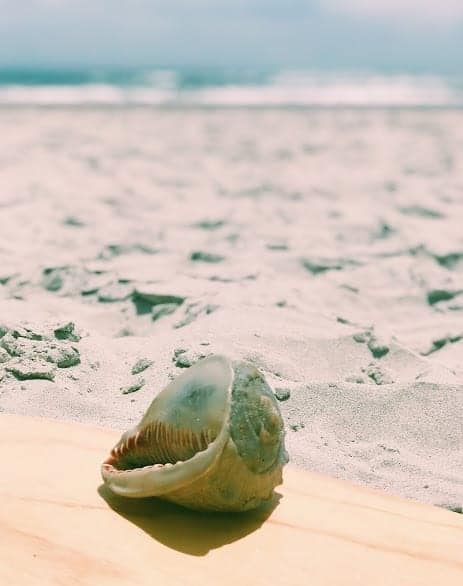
59,526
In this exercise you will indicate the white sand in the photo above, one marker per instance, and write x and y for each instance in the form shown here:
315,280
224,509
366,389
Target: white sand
329,252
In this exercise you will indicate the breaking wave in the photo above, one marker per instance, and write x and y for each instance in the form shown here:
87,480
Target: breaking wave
170,87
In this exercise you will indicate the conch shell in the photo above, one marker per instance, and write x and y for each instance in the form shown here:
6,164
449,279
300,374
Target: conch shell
213,439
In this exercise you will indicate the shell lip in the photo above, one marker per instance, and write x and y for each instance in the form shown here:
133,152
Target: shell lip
158,478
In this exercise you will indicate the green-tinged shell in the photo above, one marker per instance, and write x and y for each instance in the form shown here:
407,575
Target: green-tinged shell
211,440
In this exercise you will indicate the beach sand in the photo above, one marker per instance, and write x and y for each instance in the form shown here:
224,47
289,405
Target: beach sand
324,246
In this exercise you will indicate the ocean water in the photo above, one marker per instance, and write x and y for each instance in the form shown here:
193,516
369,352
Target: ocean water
226,87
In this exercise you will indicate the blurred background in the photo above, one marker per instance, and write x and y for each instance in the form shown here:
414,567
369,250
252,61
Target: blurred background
232,52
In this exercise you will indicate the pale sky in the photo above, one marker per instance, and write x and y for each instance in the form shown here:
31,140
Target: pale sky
409,35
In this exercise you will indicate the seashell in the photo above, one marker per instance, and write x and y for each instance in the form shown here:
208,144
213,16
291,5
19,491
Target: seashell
213,439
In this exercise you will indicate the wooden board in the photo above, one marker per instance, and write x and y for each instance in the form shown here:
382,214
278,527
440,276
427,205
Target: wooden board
58,526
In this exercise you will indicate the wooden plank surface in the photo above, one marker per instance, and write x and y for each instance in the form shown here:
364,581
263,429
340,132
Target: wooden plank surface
58,526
